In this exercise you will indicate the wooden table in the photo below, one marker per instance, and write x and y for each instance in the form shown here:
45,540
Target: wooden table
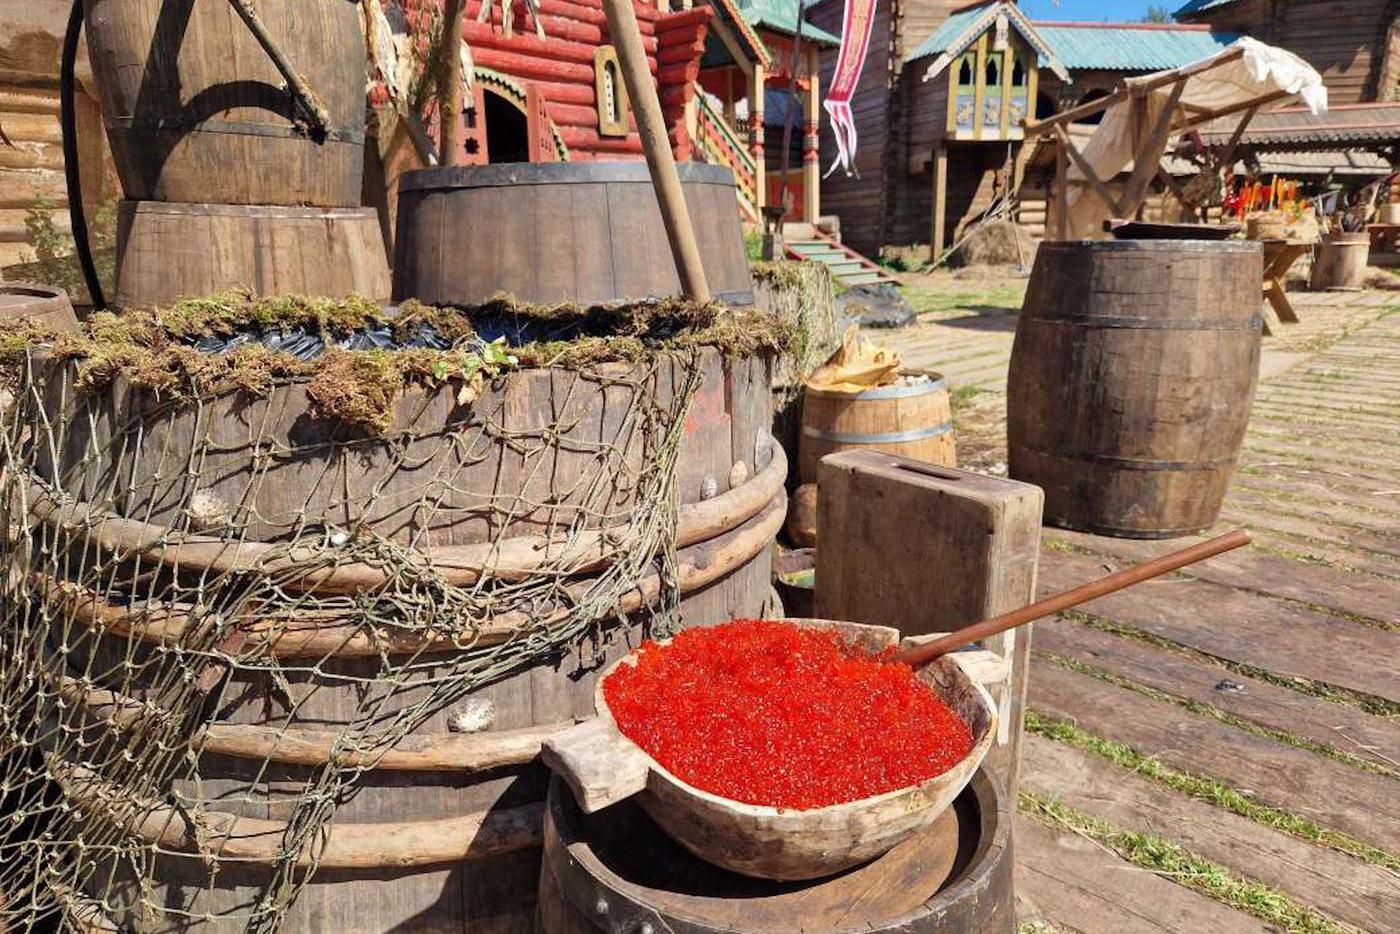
1279,257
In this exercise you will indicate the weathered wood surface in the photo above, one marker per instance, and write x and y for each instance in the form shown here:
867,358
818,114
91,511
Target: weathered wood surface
912,420
1270,668
166,252
602,767
197,112
621,858
556,232
931,549
1340,885
1131,379
1339,261
40,303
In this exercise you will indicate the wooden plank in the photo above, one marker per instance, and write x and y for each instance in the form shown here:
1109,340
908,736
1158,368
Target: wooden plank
1322,790
1332,882
1374,739
1254,571
1078,885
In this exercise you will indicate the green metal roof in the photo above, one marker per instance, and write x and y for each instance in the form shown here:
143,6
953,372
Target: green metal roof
781,16
1131,46
1200,6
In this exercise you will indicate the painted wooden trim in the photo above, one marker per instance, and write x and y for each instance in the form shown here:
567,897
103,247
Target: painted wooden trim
979,86
940,200
604,58
1008,58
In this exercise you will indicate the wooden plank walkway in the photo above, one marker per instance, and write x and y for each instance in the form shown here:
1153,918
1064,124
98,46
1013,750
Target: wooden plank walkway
1220,750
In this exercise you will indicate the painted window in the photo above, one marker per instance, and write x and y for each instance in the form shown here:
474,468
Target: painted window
1018,73
611,93
965,72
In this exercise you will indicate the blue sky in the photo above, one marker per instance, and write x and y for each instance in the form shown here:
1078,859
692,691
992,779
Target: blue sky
1093,11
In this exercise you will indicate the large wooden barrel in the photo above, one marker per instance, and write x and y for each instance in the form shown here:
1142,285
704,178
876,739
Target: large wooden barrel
912,418
443,830
168,251
38,302
1339,261
1131,381
585,232
196,111
615,870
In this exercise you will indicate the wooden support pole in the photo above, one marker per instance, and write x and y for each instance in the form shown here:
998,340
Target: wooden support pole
1147,156
450,93
1062,188
811,141
1067,146
651,126
940,200
758,81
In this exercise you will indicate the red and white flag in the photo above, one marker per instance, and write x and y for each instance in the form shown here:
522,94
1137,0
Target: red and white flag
856,24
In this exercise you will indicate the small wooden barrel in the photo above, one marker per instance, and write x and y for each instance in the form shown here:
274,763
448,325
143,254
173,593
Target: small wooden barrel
910,419
168,251
1340,261
553,232
38,302
616,871
196,111
1131,381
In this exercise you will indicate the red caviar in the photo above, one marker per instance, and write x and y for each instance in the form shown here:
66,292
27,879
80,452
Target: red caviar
776,714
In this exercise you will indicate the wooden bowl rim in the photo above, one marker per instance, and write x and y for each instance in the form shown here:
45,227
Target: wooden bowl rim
980,747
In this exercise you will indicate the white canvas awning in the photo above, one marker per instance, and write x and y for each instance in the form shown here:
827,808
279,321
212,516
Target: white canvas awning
1146,112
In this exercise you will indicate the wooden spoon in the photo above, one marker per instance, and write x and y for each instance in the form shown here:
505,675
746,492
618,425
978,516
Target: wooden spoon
923,654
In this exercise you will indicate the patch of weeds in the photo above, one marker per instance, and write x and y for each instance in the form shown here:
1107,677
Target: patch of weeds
963,395
943,300
1206,789
1160,855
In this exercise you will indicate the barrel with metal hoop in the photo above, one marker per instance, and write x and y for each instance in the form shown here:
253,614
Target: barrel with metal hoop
198,718
911,417
1131,381
201,100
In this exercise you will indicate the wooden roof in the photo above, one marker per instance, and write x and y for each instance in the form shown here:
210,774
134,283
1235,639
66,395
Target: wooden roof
1296,129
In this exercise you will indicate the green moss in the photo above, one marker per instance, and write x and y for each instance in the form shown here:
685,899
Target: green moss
152,350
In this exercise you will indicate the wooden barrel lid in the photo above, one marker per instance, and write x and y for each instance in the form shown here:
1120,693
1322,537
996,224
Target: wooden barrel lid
619,856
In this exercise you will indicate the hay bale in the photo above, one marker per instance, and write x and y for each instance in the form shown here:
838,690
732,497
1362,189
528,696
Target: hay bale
996,243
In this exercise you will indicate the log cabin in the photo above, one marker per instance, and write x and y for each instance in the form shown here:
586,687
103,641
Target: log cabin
31,145
1354,44
924,91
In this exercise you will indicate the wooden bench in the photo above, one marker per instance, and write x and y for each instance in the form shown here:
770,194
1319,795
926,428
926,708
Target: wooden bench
1279,257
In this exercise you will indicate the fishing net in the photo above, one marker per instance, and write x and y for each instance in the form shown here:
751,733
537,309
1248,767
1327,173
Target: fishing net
203,527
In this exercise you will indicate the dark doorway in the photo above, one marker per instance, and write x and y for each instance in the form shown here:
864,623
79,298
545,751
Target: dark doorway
507,131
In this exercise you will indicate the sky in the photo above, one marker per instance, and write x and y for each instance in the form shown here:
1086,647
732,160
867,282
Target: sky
1093,11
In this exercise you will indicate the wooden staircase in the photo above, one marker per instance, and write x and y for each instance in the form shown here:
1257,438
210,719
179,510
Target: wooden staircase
847,266
719,144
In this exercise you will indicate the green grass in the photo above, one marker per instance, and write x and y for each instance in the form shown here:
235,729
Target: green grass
1157,854
964,395
942,299
1215,713
1207,789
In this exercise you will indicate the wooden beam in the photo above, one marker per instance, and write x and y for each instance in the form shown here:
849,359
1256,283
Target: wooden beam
940,200
1048,125
1148,155
1008,57
1089,174
450,97
1209,115
811,154
1062,187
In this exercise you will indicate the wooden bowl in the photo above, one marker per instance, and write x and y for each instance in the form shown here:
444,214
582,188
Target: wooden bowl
602,766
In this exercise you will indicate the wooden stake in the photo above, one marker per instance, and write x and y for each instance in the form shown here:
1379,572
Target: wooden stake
923,654
450,95
651,126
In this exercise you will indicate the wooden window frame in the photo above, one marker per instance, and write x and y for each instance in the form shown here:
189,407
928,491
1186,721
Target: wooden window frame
605,60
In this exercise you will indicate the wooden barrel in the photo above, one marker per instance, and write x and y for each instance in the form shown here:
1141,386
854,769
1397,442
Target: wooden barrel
443,830
38,302
616,871
1131,381
585,232
168,251
1340,261
912,419
196,111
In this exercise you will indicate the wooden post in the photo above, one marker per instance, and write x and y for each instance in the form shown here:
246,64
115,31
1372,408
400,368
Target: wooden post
651,126
1062,188
450,95
757,83
811,141
979,86
940,200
